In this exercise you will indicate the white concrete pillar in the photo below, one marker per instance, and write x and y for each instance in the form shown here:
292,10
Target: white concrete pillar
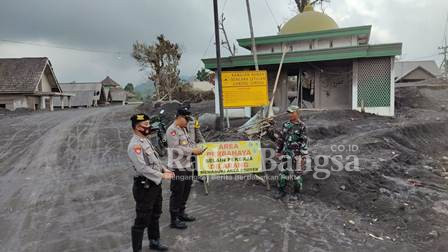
315,44
42,102
69,99
51,103
355,86
62,102
354,40
392,87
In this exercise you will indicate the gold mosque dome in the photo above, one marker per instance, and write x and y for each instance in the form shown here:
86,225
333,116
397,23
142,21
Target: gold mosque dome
308,21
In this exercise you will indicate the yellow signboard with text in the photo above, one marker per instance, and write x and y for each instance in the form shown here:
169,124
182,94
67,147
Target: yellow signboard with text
225,158
245,89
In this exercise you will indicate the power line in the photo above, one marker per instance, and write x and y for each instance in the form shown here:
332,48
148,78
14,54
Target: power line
422,57
62,47
272,14
208,47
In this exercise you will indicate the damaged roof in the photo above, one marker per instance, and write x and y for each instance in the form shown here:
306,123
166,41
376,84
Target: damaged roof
404,68
117,94
108,82
84,93
22,75
70,87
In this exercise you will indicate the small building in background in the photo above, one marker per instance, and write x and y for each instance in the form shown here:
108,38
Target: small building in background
118,96
202,85
414,71
29,83
92,94
85,94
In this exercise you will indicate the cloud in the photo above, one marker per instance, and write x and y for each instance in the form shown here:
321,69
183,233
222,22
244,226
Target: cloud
113,25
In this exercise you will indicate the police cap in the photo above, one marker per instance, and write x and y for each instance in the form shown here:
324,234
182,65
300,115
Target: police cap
137,118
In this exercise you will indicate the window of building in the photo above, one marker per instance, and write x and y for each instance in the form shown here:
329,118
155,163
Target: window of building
2,105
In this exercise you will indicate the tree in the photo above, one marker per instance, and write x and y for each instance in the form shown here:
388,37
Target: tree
163,59
203,75
302,3
129,87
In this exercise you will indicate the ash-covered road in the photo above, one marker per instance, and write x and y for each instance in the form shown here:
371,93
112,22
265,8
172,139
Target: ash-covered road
65,186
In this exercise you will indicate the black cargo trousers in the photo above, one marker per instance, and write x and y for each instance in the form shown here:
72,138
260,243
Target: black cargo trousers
148,199
180,190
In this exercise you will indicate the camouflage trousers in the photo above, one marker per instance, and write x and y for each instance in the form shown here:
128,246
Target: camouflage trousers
294,174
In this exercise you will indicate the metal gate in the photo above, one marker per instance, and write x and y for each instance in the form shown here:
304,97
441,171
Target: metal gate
374,77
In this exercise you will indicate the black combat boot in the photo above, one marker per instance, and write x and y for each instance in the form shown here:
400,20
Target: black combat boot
176,223
185,217
156,245
137,239
280,194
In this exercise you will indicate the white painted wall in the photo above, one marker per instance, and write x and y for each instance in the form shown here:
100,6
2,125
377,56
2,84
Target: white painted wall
20,102
8,101
202,85
304,45
14,102
343,42
45,84
335,92
355,85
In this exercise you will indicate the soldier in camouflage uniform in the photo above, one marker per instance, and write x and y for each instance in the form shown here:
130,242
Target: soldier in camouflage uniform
292,143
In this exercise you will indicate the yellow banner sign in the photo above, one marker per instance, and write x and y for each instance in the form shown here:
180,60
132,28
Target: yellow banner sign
245,89
225,158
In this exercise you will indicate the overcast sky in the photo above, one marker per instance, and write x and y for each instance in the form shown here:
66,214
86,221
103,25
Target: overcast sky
104,30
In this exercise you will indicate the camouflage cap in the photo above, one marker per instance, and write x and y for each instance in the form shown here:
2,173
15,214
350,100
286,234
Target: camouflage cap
293,108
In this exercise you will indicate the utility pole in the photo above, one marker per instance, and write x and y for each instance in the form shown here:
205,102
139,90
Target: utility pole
218,64
444,49
254,47
444,65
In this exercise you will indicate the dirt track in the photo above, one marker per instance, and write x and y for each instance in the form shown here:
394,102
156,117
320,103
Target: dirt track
65,187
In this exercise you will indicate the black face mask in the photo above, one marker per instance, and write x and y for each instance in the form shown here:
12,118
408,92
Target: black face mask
146,131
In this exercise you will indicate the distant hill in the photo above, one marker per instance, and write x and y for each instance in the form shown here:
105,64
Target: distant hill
145,89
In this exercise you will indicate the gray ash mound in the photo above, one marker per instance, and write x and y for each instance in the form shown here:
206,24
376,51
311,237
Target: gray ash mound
402,169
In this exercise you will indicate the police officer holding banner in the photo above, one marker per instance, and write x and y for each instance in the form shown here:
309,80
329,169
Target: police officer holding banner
180,149
148,174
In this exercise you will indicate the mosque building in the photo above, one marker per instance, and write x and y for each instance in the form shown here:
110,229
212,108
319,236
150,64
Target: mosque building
325,67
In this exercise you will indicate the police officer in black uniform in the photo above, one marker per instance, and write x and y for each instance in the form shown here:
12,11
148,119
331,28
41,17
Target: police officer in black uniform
148,174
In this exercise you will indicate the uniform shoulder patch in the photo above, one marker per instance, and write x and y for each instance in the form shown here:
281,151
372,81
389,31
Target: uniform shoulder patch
173,133
137,149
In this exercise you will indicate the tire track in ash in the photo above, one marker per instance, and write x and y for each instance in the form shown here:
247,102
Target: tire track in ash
92,209
42,213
